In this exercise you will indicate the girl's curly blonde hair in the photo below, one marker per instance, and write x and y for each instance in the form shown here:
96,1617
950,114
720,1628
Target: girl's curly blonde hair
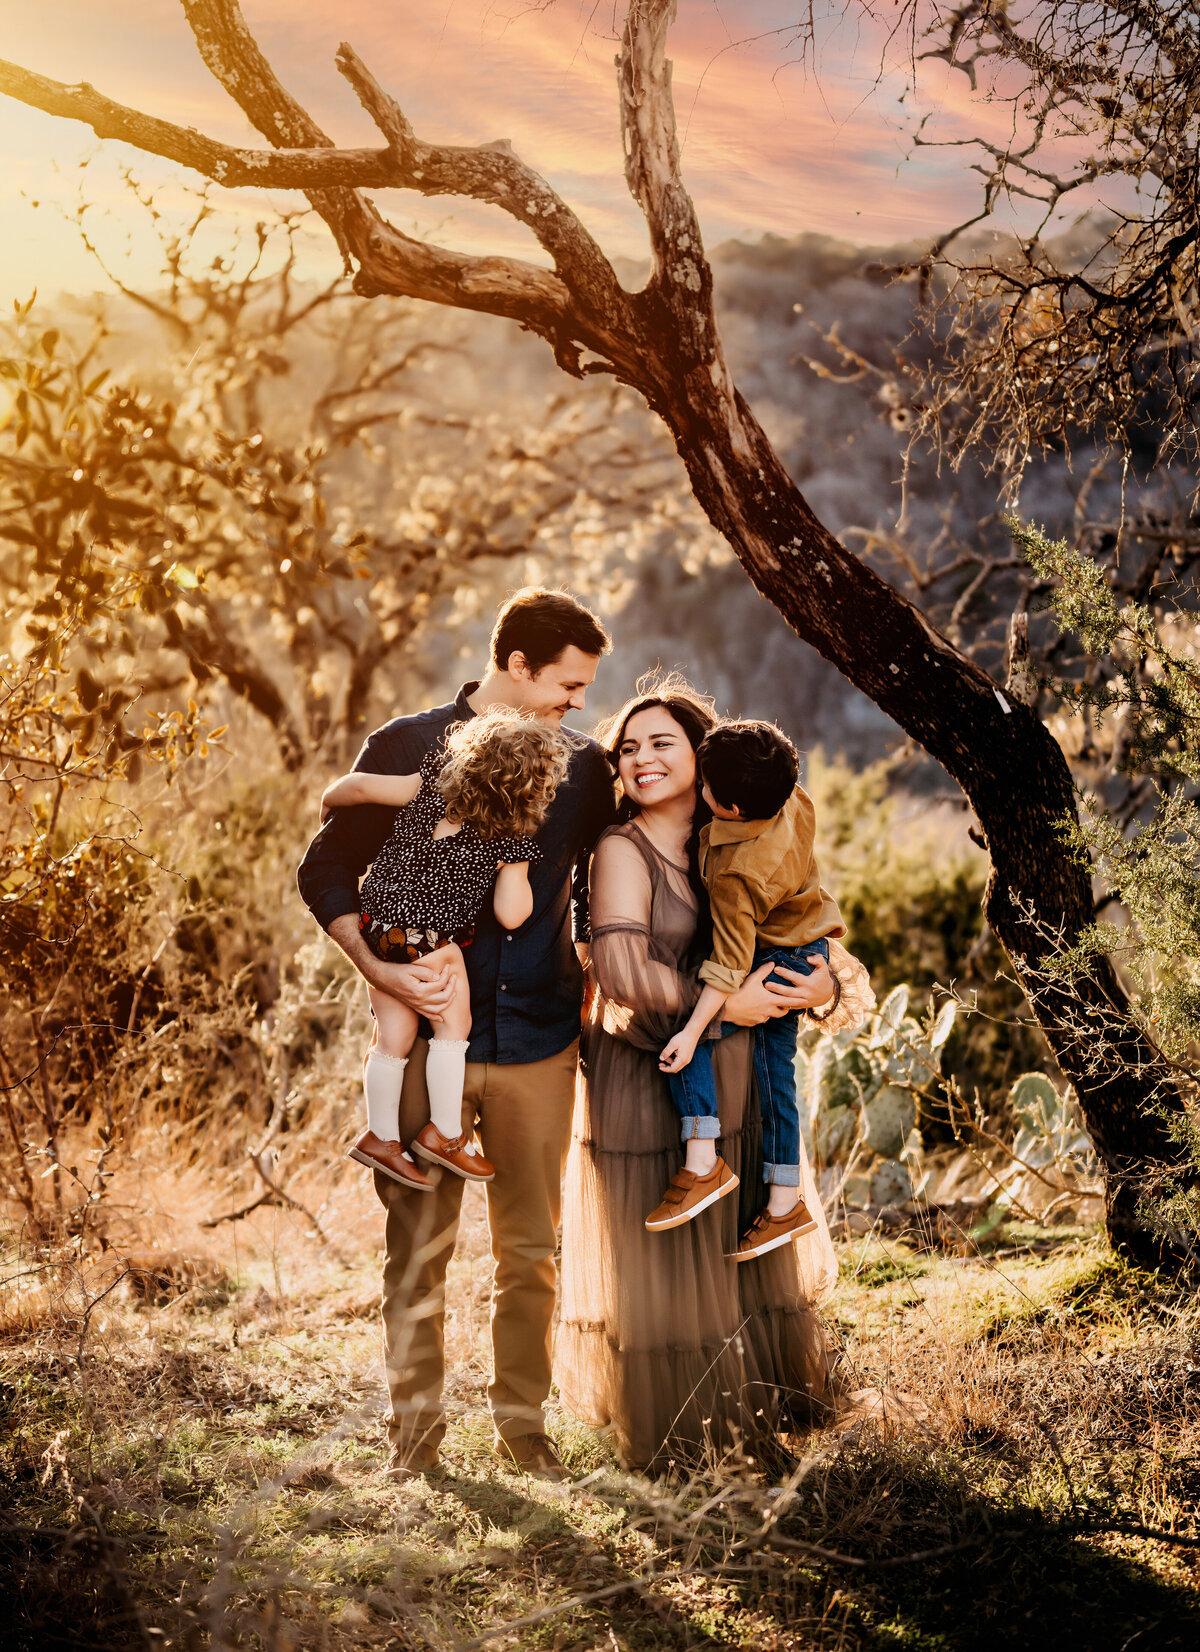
501,773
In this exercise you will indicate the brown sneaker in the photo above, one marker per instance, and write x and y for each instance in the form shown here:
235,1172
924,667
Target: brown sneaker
689,1194
532,1454
450,1152
767,1232
391,1159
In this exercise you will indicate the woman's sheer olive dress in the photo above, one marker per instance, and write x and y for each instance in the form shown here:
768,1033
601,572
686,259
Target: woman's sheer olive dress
663,1343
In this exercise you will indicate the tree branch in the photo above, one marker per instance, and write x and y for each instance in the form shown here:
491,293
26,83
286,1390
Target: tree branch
389,261
492,173
682,278
271,169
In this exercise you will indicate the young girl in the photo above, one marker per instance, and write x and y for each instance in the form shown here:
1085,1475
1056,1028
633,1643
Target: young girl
464,831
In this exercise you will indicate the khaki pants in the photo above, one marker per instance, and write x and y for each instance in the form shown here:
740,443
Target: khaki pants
524,1120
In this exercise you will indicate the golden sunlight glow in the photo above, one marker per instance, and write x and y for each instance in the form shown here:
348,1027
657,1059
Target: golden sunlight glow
773,140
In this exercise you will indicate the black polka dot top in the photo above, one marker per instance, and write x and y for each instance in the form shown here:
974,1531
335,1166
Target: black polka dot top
441,884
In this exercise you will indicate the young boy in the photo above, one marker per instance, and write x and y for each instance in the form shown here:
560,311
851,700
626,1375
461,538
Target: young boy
757,862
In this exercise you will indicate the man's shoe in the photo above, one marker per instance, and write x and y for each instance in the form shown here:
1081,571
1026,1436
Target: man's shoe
407,1462
391,1159
768,1232
689,1194
532,1454
453,1153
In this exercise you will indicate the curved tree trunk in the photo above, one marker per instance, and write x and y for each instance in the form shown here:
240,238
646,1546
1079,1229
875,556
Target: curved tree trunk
664,342
1011,769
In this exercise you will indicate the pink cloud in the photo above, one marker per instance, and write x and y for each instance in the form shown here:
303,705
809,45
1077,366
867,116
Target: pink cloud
770,142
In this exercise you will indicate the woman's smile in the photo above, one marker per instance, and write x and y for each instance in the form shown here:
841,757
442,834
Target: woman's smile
656,756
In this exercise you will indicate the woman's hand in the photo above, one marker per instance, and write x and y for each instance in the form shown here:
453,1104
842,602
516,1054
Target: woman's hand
760,1000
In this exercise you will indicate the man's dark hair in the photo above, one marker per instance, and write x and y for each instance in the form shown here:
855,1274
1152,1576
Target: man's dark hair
540,624
749,766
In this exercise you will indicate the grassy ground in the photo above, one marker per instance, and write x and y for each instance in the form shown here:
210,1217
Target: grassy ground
192,1460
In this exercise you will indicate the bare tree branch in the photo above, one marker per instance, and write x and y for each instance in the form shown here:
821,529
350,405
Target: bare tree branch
271,169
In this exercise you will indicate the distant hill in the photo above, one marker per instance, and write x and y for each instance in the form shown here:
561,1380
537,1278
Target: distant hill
673,595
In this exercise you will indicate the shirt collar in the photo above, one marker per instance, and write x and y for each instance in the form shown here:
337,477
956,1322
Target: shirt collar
461,703
735,831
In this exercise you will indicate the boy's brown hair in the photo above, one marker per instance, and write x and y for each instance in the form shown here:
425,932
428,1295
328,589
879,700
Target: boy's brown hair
749,766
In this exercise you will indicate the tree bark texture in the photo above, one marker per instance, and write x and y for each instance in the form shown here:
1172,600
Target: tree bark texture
664,342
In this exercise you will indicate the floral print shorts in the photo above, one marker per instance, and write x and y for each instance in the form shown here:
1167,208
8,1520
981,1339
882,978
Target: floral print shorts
399,944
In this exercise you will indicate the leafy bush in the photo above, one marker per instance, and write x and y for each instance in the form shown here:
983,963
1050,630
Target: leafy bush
910,887
1147,857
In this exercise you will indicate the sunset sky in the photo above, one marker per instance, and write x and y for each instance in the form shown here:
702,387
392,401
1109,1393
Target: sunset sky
772,141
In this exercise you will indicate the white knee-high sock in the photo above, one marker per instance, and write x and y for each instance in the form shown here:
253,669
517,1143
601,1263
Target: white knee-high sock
444,1073
383,1079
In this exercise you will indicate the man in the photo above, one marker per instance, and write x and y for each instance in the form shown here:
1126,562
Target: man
526,992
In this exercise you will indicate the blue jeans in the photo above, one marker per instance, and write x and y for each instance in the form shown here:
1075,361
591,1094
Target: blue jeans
694,1090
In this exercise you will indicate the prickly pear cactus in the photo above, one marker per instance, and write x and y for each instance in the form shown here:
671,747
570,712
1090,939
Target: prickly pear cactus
840,1081
860,1088
891,1183
1048,1132
890,1114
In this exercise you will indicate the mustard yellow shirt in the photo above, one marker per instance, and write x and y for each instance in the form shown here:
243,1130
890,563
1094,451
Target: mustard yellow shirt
763,886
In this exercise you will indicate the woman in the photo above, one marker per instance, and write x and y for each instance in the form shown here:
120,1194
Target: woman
664,1342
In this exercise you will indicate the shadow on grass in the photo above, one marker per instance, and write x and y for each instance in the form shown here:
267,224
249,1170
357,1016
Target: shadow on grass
1032,1588
571,1568
1016,1576
64,1590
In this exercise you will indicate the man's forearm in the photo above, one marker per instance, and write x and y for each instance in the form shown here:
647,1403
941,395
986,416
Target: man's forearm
424,989
344,932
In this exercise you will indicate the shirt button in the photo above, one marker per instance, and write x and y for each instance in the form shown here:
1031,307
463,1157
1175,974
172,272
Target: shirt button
503,987
508,937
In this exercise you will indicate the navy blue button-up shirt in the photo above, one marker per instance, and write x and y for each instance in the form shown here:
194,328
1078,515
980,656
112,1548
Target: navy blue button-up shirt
526,984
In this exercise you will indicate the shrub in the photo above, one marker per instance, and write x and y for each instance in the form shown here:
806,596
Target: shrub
910,887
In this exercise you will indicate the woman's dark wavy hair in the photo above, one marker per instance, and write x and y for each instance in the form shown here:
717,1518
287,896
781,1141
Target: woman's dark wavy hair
696,715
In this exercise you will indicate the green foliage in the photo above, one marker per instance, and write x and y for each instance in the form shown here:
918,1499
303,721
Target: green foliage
131,537
93,496
910,887
1148,866
1153,870
1156,685
911,900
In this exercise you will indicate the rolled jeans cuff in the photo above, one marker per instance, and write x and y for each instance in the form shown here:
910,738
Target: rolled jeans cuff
782,1175
700,1128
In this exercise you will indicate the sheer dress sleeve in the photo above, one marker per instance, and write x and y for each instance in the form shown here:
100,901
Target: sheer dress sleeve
644,996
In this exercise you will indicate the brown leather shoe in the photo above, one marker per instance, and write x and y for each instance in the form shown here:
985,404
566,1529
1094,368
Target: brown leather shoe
533,1454
768,1232
391,1159
450,1153
689,1194
407,1462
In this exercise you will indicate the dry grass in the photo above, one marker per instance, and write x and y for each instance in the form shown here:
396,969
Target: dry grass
191,1444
